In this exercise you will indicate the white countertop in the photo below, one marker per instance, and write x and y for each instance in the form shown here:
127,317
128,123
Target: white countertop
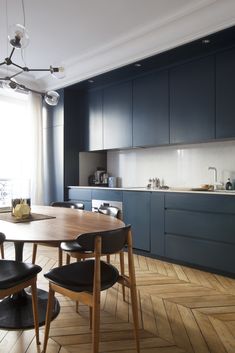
173,189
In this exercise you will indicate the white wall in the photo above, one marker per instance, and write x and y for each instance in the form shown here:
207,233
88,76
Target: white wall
179,166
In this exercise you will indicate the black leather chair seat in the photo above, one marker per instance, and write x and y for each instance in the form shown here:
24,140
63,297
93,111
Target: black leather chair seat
79,276
72,246
13,273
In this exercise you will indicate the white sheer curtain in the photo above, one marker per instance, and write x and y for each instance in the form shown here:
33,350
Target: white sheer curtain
35,114
21,138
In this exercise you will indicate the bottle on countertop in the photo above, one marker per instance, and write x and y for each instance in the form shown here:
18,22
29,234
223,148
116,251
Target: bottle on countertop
228,185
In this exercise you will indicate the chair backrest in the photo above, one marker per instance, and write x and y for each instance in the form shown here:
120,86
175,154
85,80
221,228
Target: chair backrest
67,204
112,240
2,238
110,211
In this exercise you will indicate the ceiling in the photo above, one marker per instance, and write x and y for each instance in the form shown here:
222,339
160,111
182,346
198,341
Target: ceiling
89,37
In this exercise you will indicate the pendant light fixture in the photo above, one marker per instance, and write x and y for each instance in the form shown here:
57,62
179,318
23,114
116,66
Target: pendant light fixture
18,38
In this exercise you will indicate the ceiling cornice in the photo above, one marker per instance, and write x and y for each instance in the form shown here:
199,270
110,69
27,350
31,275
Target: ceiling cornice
206,17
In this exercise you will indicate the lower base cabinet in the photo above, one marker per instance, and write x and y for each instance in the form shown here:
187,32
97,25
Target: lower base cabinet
189,228
198,252
136,211
80,195
157,225
200,230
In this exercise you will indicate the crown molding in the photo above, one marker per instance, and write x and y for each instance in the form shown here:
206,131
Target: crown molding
195,21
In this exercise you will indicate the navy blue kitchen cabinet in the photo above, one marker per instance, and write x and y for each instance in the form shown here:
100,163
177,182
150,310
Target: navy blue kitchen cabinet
136,211
192,101
117,115
199,230
151,110
86,195
61,145
53,151
225,94
157,224
80,195
108,195
95,117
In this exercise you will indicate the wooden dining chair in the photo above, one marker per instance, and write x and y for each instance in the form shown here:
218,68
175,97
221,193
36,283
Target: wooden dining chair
114,212
2,251
83,281
74,249
65,204
14,277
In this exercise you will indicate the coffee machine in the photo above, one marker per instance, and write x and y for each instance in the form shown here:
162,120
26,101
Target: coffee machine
100,178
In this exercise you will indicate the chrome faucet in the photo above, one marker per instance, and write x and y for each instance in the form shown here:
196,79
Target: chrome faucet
215,174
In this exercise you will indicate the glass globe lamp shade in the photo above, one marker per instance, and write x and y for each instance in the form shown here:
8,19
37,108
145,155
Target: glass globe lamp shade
52,98
18,36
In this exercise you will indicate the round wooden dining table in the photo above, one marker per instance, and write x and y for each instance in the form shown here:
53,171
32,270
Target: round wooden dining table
52,225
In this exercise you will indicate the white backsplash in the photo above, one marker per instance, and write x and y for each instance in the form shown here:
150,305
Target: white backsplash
177,166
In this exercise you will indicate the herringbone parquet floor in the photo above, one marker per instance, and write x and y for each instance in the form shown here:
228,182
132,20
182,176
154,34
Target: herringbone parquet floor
182,310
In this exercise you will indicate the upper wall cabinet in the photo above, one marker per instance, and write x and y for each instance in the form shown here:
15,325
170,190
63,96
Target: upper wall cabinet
117,116
225,94
192,102
151,110
95,117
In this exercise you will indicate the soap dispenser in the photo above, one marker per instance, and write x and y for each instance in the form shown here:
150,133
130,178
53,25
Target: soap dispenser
228,185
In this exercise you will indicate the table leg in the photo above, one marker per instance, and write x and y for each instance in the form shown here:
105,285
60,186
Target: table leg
19,246
16,310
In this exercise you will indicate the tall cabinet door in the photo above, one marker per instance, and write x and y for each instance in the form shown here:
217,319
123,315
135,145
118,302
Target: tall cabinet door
192,101
117,115
151,110
136,211
95,103
157,223
53,151
225,94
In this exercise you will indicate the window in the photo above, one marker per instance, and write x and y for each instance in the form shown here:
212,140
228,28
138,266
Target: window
15,142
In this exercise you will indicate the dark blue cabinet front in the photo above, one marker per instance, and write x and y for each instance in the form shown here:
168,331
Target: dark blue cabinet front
136,211
117,116
192,101
95,121
157,223
225,94
108,195
200,229
151,110
208,254
82,195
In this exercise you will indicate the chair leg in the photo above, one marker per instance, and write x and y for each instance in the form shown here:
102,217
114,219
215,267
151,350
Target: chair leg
60,257
77,305
2,251
90,316
96,325
122,270
35,310
77,302
108,259
133,292
35,246
134,304
51,295
96,298
67,259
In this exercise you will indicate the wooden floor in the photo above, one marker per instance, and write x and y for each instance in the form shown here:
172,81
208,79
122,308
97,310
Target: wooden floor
182,310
